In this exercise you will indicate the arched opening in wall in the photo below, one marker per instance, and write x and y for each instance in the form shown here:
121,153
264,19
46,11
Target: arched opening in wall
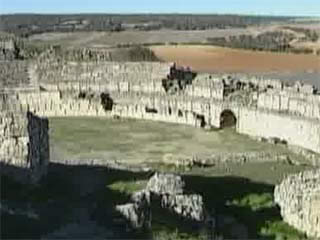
227,119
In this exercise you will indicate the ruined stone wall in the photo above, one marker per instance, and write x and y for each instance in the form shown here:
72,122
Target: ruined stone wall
24,145
299,104
136,89
261,106
295,130
7,49
299,199
54,104
14,74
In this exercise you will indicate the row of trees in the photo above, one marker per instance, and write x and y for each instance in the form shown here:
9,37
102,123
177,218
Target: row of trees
270,41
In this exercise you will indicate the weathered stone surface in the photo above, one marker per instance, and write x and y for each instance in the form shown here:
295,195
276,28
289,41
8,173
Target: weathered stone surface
161,183
138,214
188,206
213,159
24,146
137,91
141,197
299,199
170,189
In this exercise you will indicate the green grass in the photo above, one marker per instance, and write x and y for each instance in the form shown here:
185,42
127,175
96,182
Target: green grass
249,202
272,227
281,231
127,187
137,141
254,201
176,235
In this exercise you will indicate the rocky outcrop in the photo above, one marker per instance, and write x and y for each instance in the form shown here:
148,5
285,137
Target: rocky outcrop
299,199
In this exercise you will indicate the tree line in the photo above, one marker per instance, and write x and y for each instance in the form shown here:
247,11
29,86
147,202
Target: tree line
28,24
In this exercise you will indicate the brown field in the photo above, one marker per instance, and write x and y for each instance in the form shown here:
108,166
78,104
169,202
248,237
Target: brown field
212,59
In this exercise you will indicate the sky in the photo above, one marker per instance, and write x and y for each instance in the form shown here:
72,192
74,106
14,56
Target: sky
256,7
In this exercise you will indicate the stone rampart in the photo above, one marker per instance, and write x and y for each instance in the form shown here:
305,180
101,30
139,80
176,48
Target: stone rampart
260,105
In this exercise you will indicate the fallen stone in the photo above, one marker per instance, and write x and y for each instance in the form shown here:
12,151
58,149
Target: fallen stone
161,183
187,206
135,213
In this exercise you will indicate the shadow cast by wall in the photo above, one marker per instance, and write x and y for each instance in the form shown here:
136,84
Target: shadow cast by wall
68,189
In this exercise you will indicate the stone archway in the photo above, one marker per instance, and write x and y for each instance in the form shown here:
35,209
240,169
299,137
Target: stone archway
227,119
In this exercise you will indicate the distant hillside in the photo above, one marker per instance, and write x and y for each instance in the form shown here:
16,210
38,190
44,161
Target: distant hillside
27,24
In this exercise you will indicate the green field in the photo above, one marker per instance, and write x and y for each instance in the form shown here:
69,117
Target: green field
137,141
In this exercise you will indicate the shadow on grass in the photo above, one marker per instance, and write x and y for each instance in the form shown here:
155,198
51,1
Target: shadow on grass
67,189
219,192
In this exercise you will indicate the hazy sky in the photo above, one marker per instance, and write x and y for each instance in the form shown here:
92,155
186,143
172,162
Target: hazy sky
267,7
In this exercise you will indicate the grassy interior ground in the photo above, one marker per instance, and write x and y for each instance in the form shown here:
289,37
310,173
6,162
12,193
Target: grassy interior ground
136,141
74,194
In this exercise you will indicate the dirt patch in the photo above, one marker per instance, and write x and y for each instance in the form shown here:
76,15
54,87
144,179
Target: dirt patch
212,59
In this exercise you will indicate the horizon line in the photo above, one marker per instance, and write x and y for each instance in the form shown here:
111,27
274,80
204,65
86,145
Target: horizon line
163,13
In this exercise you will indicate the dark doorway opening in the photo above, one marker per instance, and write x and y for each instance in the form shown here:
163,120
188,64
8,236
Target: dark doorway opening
200,121
151,110
227,119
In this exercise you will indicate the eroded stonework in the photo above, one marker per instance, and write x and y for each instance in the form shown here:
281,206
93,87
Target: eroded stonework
264,108
299,199
159,91
24,148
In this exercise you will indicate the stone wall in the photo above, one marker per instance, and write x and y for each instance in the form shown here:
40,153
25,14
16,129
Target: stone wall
53,104
24,148
292,103
261,106
7,48
294,130
14,74
299,199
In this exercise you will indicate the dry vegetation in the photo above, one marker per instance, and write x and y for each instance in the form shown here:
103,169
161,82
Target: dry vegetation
211,59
